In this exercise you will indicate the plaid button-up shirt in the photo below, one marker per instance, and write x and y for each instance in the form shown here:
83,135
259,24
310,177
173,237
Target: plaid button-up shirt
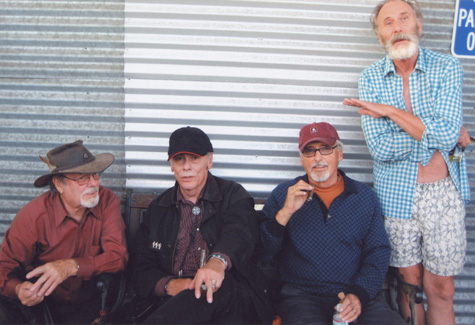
436,98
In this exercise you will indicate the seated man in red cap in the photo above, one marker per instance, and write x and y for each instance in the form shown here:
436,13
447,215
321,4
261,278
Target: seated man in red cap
193,251
60,241
327,232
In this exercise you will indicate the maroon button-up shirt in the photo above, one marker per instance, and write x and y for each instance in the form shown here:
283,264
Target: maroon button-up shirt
42,232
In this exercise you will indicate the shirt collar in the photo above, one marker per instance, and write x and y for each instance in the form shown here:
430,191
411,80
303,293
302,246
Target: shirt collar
388,66
211,192
181,199
421,61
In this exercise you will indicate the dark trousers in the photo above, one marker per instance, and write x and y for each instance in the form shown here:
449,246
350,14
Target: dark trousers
231,305
300,307
79,313
13,312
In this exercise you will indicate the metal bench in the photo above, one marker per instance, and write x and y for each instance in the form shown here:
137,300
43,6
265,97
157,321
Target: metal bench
137,203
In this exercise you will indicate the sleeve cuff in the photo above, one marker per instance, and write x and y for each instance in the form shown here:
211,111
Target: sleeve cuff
228,263
86,267
361,293
159,289
275,228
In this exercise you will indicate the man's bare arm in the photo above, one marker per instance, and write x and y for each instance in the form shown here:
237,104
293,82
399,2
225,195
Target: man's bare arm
408,122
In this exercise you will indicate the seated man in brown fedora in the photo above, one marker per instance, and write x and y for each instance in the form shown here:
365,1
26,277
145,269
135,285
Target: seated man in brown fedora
61,240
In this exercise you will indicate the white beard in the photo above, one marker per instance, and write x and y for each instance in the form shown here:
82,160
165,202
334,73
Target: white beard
402,51
92,202
320,177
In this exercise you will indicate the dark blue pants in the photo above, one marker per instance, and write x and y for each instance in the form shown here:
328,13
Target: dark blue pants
300,307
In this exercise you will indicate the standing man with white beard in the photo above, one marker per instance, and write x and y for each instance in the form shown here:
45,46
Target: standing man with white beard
411,107
60,241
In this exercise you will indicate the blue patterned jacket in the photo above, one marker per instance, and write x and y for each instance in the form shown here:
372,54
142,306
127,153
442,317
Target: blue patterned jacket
342,249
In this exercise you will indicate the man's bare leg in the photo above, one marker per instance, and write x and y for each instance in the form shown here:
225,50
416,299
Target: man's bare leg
440,292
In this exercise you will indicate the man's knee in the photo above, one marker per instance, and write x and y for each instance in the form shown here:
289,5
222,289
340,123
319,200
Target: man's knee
13,312
443,292
439,287
5,315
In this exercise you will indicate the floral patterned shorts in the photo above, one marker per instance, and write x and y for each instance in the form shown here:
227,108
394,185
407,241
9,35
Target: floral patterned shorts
435,235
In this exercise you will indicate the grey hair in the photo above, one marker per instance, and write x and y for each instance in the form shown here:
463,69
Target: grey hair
52,187
340,145
373,19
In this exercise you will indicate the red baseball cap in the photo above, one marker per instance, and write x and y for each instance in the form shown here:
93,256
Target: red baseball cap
318,132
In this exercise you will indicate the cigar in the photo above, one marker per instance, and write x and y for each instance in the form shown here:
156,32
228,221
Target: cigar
310,195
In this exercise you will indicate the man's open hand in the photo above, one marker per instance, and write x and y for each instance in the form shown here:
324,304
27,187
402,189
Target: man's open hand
51,275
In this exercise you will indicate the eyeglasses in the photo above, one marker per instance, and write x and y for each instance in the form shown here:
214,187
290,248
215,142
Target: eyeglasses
83,180
310,152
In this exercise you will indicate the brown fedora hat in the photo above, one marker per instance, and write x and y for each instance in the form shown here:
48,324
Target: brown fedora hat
73,158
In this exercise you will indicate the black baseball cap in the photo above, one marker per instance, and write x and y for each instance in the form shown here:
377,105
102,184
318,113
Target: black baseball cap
189,140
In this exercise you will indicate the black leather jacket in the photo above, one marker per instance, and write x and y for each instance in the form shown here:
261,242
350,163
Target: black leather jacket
229,226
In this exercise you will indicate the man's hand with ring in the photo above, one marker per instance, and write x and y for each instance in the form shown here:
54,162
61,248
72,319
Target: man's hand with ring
350,308
211,275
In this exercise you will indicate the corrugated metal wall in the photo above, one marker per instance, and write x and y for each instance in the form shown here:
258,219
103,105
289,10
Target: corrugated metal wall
250,74
61,79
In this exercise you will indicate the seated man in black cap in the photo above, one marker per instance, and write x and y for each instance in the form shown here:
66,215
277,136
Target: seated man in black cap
193,251
60,241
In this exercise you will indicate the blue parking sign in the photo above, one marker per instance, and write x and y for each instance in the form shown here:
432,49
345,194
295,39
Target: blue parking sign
463,37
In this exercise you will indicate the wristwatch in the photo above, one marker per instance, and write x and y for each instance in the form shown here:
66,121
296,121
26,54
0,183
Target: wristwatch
219,257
